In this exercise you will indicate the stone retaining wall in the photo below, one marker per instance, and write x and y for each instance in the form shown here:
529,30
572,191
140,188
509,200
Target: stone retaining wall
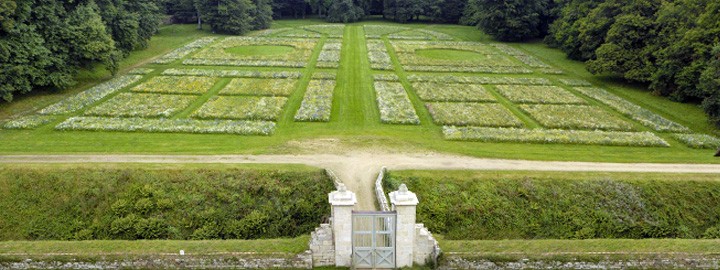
300,261
322,246
454,262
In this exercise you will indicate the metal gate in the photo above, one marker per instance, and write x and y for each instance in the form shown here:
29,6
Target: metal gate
373,239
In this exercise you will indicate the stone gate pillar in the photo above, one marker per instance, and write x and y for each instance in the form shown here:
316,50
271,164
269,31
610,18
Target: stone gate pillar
404,203
343,202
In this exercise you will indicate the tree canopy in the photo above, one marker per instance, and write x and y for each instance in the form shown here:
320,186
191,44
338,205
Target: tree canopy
44,43
512,20
670,45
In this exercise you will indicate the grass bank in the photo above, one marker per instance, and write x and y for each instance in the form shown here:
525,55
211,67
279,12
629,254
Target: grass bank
590,250
84,202
146,248
532,205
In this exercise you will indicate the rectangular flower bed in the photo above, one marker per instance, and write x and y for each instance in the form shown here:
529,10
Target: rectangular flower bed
29,121
553,136
176,85
576,117
90,96
637,113
245,108
394,104
260,87
165,125
142,105
428,91
538,94
317,103
472,114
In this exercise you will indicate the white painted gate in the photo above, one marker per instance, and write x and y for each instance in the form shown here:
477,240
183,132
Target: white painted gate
373,239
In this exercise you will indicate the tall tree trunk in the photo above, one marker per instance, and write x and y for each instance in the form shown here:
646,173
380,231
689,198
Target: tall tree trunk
199,21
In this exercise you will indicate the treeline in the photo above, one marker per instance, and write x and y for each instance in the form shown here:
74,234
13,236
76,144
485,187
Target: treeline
224,16
44,43
673,46
443,11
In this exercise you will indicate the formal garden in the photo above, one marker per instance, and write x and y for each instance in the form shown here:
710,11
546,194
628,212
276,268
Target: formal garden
254,85
309,87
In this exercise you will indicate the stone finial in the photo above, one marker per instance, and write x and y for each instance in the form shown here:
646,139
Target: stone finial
403,189
403,196
342,196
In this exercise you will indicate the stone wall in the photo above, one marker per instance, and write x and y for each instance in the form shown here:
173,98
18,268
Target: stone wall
322,246
426,247
380,192
333,176
301,261
456,262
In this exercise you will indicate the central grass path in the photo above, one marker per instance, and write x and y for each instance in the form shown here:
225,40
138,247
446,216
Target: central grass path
354,100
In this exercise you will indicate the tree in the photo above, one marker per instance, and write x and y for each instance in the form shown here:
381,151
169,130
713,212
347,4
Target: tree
182,11
564,32
227,16
450,11
627,48
672,45
23,60
402,11
89,41
710,86
512,20
44,43
262,14
344,11
320,7
148,15
686,54
294,8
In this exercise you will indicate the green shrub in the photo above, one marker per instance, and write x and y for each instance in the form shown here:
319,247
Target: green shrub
105,203
509,206
712,232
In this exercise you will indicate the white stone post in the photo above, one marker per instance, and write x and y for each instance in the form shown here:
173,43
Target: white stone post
405,203
343,202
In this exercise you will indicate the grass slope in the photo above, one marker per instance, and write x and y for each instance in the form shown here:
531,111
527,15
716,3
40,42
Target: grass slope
354,122
88,202
591,250
533,205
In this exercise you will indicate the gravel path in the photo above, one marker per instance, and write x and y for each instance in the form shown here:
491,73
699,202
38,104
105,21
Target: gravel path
359,170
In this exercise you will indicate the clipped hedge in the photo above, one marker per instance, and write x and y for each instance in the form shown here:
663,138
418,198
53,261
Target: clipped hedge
134,203
563,206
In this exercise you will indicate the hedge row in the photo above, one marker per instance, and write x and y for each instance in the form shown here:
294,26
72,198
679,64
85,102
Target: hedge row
514,206
134,203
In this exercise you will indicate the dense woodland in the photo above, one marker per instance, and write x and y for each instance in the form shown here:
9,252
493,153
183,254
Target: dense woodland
672,46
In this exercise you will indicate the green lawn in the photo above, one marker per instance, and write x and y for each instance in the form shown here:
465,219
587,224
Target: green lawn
355,119
282,247
582,250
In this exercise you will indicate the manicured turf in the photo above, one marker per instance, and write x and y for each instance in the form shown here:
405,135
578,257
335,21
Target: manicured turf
355,119
580,250
286,247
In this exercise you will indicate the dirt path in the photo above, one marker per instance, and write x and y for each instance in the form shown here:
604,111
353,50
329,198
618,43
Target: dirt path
359,170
